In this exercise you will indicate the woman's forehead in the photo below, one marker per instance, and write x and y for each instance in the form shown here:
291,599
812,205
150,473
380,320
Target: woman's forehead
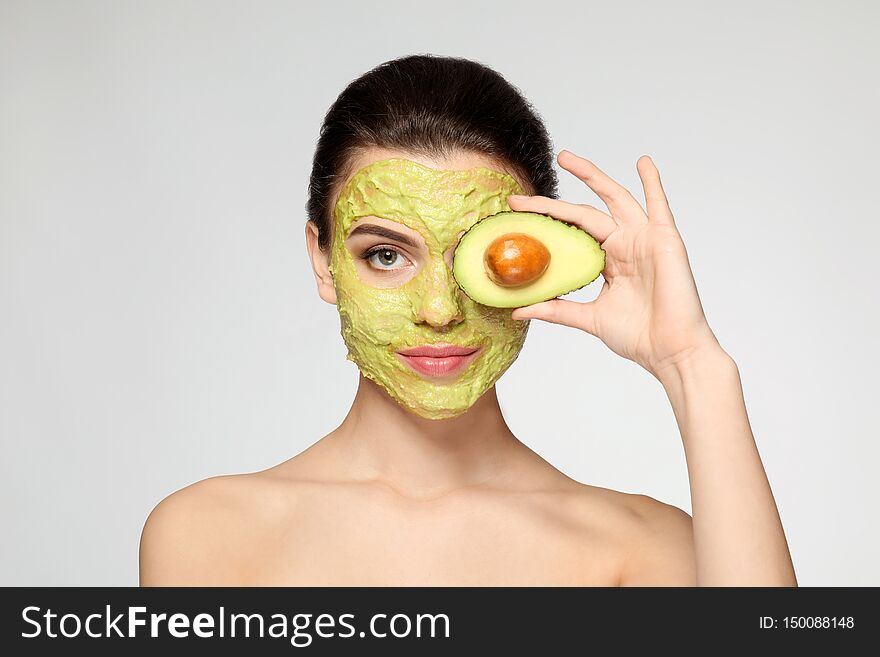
460,160
442,201
407,177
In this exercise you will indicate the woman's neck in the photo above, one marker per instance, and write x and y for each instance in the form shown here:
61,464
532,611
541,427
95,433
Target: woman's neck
422,458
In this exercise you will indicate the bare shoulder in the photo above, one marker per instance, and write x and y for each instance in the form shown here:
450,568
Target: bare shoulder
660,546
197,536
654,539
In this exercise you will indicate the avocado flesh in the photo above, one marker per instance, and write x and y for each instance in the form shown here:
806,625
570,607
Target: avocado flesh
576,259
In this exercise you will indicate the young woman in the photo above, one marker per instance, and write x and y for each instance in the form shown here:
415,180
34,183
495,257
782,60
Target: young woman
423,483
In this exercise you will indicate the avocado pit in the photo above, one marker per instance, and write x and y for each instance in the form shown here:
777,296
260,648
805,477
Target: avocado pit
515,259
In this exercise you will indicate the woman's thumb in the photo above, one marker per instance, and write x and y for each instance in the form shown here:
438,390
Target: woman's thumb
560,311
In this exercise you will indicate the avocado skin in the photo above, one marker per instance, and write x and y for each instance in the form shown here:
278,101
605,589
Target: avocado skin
577,259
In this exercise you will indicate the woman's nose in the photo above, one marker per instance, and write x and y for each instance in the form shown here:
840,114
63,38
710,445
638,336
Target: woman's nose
441,297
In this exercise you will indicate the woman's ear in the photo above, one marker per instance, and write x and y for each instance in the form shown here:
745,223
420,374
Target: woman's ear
320,264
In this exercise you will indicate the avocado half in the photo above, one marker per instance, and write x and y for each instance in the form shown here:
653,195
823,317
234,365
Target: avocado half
575,258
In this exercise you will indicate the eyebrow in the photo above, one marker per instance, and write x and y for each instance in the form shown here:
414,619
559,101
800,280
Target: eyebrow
381,231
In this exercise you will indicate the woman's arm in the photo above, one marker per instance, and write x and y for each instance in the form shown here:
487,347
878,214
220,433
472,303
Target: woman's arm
738,534
649,312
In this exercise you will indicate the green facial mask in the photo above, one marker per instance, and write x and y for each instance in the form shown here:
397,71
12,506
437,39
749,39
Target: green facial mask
377,321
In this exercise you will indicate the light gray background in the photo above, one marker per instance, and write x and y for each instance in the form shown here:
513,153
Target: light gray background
160,322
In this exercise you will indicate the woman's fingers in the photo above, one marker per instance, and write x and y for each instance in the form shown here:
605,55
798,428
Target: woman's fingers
597,223
623,205
655,197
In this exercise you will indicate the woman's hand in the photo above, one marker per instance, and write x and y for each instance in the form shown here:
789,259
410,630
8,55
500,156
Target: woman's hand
648,310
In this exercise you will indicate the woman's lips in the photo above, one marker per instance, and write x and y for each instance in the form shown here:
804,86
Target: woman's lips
438,366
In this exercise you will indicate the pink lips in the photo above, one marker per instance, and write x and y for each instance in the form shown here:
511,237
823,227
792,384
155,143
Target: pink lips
438,360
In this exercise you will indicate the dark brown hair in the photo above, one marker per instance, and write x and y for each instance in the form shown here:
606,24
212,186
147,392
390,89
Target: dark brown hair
429,105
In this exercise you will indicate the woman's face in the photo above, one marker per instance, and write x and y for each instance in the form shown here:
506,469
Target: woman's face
395,290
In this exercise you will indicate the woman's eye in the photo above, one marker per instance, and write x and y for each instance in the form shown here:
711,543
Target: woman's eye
384,258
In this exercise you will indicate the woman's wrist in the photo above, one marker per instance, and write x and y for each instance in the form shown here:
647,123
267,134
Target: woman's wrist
707,360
